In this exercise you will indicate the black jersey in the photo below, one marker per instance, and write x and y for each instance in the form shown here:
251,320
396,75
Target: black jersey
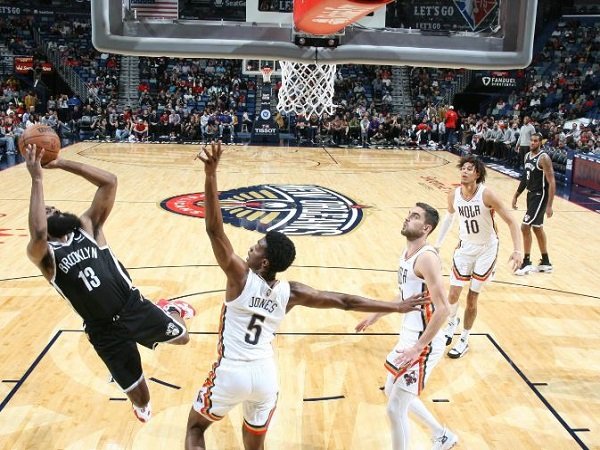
534,175
90,277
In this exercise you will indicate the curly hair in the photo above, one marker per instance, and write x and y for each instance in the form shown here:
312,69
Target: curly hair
479,166
280,251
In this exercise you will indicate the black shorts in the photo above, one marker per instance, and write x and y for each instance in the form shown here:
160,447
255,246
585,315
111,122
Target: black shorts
536,208
139,322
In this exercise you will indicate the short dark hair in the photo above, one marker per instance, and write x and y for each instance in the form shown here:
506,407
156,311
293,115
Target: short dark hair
432,216
478,163
281,251
538,135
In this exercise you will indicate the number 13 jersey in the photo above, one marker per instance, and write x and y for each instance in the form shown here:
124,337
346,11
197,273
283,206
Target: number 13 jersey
249,322
476,220
90,277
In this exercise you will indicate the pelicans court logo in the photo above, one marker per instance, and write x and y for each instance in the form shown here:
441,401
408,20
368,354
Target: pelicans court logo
289,208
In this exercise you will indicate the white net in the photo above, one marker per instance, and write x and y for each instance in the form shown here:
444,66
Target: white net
306,88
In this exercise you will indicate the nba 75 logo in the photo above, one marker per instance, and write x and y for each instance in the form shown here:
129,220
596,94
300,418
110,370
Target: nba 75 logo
290,208
475,11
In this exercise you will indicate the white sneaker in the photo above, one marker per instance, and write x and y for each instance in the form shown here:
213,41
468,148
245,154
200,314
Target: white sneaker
524,270
450,328
184,309
547,268
143,414
446,441
459,349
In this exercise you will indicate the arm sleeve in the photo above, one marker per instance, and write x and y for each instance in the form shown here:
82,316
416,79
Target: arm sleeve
446,224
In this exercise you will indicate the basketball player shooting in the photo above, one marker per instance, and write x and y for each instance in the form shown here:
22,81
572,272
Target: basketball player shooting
73,255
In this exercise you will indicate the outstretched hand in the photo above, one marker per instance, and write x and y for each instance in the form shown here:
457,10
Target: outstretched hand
413,302
366,323
210,156
33,161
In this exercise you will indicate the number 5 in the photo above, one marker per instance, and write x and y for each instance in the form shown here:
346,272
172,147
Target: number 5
256,327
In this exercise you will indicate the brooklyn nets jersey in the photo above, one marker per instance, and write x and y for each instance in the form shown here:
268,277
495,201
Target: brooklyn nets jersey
534,174
249,322
476,221
89,277
410,284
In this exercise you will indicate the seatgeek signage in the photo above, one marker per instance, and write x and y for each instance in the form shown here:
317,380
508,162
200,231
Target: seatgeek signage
293,209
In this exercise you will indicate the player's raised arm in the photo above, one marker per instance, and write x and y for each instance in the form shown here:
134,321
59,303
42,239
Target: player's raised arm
233,266
37,249
93,219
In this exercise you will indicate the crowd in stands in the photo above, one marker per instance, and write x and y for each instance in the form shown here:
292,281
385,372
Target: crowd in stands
70,40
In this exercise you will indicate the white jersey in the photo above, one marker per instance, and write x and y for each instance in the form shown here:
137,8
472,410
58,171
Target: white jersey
249,322
476,221
410,284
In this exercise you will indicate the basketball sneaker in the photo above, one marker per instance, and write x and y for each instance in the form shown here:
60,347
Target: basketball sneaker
459,349
450,328
184,309
446,441
544,266
526,268
143,414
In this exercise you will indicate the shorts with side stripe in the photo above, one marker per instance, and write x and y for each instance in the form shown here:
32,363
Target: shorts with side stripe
474,263
413,378
536,208
252,383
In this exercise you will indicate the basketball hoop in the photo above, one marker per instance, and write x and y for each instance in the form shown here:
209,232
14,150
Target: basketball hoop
266,74
307,88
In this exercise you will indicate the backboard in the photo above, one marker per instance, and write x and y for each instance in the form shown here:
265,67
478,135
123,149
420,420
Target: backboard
474,34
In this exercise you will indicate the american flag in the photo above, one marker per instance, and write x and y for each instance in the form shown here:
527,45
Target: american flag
167,9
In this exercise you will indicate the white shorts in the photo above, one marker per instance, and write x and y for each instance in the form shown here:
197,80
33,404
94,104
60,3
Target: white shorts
475,263
413,378
253,383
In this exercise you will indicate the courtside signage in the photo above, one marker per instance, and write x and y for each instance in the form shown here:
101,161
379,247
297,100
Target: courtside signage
293,209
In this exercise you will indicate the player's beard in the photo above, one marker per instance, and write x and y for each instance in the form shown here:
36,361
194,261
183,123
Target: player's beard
411,235
62,224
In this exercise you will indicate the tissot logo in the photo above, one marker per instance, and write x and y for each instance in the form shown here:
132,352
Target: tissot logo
486,81
290,208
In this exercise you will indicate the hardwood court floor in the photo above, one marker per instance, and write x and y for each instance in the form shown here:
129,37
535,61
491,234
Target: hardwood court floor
531,379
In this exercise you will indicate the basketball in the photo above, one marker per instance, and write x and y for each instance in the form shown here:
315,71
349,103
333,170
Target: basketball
44,137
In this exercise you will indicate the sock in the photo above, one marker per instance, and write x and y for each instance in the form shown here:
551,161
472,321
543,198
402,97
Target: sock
526,259
418,408
453,311
465,335
545,259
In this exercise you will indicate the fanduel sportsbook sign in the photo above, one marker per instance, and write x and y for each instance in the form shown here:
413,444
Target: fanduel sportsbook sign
496,82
